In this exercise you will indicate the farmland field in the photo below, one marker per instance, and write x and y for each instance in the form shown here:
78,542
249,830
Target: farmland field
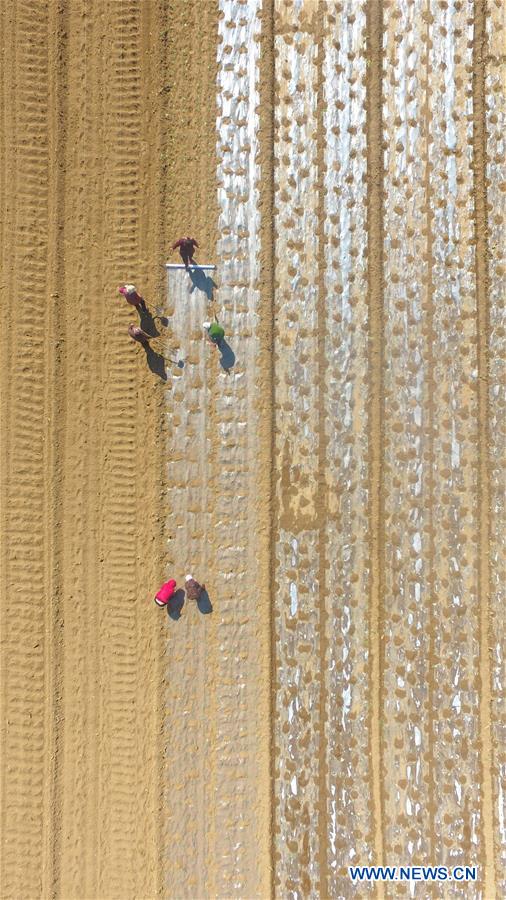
334,473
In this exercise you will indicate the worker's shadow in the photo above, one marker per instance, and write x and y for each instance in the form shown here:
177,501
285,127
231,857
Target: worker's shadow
175,604
202,282
156,363
204,603
227,356
147,321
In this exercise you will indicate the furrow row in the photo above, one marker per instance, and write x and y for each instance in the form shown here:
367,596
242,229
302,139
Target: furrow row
345,405
409,552
80,862
240,765
191,488
122,767
188,536
24,560
297,612
495,122
458,815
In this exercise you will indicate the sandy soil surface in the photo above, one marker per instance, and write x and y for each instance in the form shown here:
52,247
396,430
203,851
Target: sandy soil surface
83,208
334,474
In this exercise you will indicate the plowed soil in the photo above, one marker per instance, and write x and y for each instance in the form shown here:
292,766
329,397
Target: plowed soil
334,474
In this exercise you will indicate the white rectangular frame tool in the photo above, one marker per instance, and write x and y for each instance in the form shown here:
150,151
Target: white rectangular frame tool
181,266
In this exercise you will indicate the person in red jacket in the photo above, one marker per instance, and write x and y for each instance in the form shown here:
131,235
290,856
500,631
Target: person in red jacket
186,249
193,588
165,593
131,296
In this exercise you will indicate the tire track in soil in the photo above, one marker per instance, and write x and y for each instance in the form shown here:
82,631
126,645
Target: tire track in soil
118,493
129,727
79,667
55,399
80,859
93,308
31,266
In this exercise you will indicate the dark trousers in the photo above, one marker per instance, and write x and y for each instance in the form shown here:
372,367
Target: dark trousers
187,258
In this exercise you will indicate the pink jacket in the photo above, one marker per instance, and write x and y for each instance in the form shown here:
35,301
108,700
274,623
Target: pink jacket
166,591
131,297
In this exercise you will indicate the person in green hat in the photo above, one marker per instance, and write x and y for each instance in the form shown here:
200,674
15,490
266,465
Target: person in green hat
215,332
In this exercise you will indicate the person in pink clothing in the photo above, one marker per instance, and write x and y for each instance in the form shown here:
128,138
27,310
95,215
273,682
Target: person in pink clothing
131,296
137,334
165,593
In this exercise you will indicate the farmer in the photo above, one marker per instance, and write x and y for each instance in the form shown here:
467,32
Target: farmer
137,334
131,296
214,331
193,588
186,249
165,593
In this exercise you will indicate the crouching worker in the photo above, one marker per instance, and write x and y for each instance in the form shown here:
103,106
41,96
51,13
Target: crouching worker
165,593
215,332
193,588
130,294
137,334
